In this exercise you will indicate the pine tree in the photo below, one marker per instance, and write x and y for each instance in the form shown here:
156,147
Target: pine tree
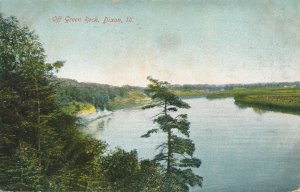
177,151
27,104
41,148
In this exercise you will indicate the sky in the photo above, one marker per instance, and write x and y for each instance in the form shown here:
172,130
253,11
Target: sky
183,42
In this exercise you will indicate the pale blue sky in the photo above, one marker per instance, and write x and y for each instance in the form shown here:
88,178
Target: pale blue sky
194,42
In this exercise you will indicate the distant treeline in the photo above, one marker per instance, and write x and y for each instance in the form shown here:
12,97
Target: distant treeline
97,94
232,86
101,94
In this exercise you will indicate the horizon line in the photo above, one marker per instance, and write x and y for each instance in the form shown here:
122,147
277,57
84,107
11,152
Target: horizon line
176,84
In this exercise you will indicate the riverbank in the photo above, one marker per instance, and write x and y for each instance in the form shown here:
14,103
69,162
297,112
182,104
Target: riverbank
79,108
88,117
87,112
186,94
281,99
133,99
139,98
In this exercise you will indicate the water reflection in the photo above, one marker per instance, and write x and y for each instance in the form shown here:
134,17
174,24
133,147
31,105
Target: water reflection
97,126
103,123
238,147
261,109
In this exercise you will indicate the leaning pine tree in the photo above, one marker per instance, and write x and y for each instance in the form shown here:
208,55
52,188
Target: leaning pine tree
176,154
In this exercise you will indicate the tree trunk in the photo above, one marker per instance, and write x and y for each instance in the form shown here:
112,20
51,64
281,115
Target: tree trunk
169,152
169,144
38,118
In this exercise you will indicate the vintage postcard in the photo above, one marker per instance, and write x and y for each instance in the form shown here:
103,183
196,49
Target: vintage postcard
150,95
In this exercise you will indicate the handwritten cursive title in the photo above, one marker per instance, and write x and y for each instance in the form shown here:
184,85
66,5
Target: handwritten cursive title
93,19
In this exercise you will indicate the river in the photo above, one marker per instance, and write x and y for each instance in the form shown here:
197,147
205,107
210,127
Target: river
240,149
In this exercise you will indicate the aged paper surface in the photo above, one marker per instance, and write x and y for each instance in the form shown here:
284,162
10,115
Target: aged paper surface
236,63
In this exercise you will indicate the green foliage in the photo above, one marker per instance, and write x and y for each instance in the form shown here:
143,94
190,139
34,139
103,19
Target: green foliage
41,148
283,99
57,65
277,102
121,168
176,152
78,108
100,96
26,106
132,99
21,171
192,93
38,140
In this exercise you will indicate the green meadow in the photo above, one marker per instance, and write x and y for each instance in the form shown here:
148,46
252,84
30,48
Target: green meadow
282,99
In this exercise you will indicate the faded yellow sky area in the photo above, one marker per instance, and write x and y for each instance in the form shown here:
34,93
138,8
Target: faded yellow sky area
184,42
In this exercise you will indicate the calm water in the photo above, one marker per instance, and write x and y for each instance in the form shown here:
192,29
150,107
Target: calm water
241,149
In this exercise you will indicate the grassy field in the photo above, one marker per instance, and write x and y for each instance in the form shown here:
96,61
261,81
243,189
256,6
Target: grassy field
283,99
134,99
190,93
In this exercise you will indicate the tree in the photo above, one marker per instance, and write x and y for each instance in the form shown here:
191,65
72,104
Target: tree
177,151
41,148
27,103
37,139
